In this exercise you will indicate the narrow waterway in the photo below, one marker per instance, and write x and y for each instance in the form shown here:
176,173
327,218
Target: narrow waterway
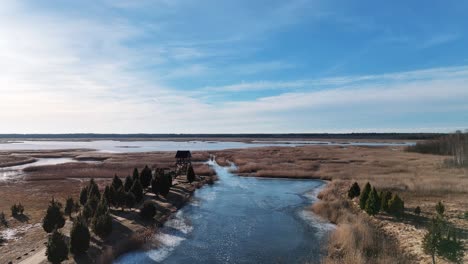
242,220
16,172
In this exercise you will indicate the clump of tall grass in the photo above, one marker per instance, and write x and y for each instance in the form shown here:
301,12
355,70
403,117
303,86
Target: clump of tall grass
355,239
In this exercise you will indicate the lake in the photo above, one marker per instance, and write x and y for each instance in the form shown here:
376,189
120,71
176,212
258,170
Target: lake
242,220
145,146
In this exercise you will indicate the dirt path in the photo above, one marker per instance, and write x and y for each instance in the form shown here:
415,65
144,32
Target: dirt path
39,257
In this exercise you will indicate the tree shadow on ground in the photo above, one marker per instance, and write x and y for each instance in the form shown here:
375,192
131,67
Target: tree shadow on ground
22,218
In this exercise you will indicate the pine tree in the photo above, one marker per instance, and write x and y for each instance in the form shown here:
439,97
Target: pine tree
54,217
117,182
396,206
364,195
145,177
155,186
373,203
102,224
57,250
128,183
130,200
354,191
386,196
165,184
120,198
69,206
93,190
136,175
190,174
84,195
107,195
441,239
79,236
137,190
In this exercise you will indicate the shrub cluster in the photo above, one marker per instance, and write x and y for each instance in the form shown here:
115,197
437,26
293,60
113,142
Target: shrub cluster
17,209
148,210
373,202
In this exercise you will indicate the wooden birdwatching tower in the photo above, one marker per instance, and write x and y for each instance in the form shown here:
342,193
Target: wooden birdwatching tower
183,159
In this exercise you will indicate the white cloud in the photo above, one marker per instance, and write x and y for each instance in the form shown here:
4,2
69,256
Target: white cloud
69,74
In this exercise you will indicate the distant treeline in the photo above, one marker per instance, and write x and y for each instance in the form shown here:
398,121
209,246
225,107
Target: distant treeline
455,145
404,136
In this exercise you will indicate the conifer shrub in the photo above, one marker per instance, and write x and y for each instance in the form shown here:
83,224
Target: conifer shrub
364,195
57,249
54,217
84,195
116,182
385,198
136,175
190,174
130,200
354,191
145,177
128,183
396,206
373,203
137,190
148,210
102,224
79,236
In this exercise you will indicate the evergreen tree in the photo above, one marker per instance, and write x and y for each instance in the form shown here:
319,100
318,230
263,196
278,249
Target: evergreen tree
396,206
145,177
432,238
128,183
69,206
137,190
102,207
130,200
440,208
102,224
148,210
54,217
364,195
84,195
93,190
79,236
117,182
354,191
373,203
120,198
190,174
165,184
87,212
112,196
107,195
155,186
136,175
57,250
386,196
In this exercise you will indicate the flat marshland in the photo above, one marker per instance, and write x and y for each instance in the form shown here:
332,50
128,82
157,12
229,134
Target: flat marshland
420,179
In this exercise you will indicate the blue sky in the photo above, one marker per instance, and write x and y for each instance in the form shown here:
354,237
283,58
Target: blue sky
171,66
